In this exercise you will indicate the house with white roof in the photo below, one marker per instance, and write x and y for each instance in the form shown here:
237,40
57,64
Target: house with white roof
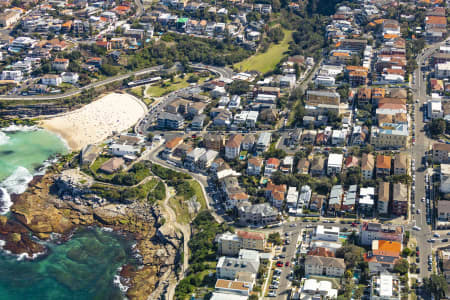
334,164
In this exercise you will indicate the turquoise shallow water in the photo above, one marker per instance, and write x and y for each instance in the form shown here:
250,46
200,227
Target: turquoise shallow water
28,149
82,268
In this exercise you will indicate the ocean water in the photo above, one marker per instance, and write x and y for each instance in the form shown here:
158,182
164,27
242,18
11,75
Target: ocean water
23,153
85,267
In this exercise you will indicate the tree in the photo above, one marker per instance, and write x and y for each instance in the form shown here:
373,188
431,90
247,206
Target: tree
407,252
253,297
437,127
436,285
352,255
239,87
401,266
275,238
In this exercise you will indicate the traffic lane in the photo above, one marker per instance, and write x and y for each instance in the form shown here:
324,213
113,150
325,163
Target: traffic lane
284,289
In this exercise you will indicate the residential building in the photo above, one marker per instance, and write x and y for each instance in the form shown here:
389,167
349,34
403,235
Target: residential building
367,166
123,150
443,211
198,122
272,165
305,196
401,164
400,198
204,162
228,267
275,194
263,142
52,80
69,77
434,109
292,197
441,153
445,179
287,164
257,214
335,199
303,166
170,121
326,233
376,231
191,159
316,203
254,166
314,289
112,165
349,201
213,141
170,146
366,201
230,244
383,198
248,143
233,146
383,165
364,96
389,136
252,240
16,76
9,18
318,166
334,164
233,287
60,64
385,287
442,71
328,266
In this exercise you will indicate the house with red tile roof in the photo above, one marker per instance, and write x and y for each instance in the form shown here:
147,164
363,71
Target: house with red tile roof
272,165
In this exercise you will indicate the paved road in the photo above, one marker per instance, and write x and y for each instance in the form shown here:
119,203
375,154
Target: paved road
202,179
222,72
418,151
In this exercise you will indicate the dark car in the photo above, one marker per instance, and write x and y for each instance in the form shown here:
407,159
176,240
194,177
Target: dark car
445,240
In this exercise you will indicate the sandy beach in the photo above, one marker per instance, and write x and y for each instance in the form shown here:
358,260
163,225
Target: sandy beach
96,121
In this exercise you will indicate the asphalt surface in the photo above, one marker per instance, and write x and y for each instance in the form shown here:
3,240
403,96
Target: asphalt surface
418,151
223,72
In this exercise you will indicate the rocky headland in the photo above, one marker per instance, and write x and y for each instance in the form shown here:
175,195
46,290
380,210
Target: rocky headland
55,205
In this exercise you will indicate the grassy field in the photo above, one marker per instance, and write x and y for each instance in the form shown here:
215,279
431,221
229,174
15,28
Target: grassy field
199,193
180,204
97,164
265,62
159,90
137,91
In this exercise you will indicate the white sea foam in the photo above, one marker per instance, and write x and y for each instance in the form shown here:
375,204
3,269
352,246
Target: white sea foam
17,182
5,201
23,256
13,128
117,281
3,138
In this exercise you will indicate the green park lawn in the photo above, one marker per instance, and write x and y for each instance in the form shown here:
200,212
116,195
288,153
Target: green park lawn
159,90
265,62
